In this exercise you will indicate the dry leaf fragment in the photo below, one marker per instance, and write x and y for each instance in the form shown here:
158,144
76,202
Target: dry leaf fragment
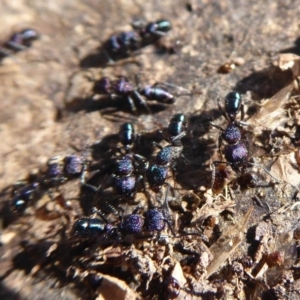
227,243
284,169
113,288
289,61
175,281
271,113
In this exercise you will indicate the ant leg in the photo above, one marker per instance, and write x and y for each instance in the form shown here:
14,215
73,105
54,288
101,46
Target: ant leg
137,142
262,167
242,112
117,211
173,139
170,227
98,212
220,139
155,144
139,158
16,46
99,188
222,111
110,61
137,81
167,84
178,137
83,180
19,184
141,100
213,176
164,136
166,209
166,203
220,162
137,209
217,162
4,53
131,104
216,126
159,33
138,25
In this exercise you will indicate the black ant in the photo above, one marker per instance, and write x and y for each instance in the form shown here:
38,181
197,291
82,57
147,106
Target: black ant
122,44
138,224
19,42
23,193
89,227
124,179
152,31
157,172
122,88
133,224
156,218
236,150
59,170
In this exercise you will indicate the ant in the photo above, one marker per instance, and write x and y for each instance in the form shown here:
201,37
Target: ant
139,224
133,224
23,193
59,170
157,172
89,227
152,31
122,88
122,44
19,42
124,179
235,151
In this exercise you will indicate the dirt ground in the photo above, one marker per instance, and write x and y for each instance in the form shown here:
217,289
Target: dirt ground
46,110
